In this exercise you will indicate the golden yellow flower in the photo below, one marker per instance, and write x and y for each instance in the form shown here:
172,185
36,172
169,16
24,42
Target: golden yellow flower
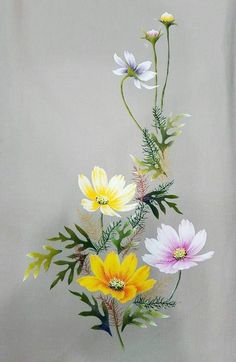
108,196
121,280
167,18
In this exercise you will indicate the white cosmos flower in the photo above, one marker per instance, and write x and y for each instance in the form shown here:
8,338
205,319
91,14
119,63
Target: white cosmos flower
140,72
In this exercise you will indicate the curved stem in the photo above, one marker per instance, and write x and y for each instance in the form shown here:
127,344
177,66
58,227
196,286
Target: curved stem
168,67
155,70
116,325
125,103
176,286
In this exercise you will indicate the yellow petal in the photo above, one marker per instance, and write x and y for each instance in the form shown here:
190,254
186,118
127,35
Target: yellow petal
115,186
118,294
89,205
128,266
124,197
97,268
129,293
146,285
107,210
139,276
91,283
122,207
86,187
99,180
112,265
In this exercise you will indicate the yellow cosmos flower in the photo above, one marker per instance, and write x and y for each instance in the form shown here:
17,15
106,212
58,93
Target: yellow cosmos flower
108,196
167,19
121,280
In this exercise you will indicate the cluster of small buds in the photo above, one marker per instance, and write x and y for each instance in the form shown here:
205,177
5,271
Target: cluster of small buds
153,35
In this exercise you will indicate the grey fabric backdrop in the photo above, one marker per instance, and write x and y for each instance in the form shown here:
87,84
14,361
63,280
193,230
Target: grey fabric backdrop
61,114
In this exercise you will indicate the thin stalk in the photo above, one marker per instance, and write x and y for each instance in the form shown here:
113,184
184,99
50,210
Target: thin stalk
116,326
168,67
176,286
125,103
156,75
102,222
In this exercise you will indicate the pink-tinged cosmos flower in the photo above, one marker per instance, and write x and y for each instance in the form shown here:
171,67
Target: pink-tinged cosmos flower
140,72
172,252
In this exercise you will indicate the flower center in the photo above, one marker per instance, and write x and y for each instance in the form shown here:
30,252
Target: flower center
179,253
102,200
116,284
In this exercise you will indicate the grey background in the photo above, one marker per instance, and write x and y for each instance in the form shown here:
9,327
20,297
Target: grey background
61,114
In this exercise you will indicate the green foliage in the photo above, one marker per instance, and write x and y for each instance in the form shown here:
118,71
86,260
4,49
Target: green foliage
44,260
159,198
70,269
167,128
121,232
155,144
154,304
141,317
137,220
84,244
107,235
95,312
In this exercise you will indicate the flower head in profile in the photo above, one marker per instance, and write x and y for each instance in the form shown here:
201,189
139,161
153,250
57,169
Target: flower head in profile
172,252
167,19
152,36
121,280
140,72
106,195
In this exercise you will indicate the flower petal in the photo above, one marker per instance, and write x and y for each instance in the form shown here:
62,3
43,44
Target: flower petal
152,246
125,196
143,67
119,61
148,86
124,208
170,237
118,294
149,284
112,265
130,59
128,266
107,210
148,75
86,187
89,205
186,232
139,276
202,257
115,186
99,180
197,243
97,268
129,293
137,83
90,282
120,71
150,259
184,264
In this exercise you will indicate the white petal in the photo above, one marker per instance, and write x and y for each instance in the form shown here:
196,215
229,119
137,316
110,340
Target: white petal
125,208
130,59
119,61
197,243
149,86
150,259
99,180
120,71
186,232
148,75
107,210
203,256
184,264
171,236
137,83
89,205
143,67
116,185
152,246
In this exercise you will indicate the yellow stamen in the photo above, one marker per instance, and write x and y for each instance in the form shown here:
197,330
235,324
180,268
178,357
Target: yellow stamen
179,253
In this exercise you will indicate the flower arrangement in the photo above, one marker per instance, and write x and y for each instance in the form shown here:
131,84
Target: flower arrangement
110,280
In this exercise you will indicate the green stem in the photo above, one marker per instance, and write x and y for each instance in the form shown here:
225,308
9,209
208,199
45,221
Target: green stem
176,286
156,76
125,103
102,221
168,67
116,325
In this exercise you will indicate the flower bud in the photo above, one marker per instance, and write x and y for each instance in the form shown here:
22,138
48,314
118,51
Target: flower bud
152,35
167,19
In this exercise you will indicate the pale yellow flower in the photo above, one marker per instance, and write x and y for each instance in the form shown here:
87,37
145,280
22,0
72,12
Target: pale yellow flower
167,18
106,195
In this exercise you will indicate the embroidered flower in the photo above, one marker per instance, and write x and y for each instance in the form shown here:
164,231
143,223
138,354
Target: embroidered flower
121,280
140,72
167,19
104,195
172,252
152,36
